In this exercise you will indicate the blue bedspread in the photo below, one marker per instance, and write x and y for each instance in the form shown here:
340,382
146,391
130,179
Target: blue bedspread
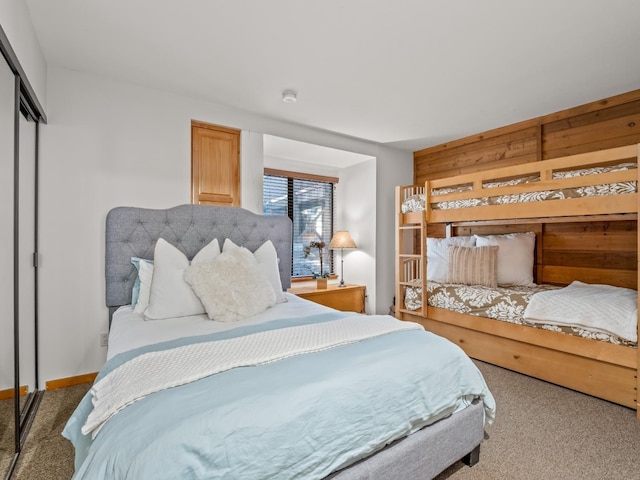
301,417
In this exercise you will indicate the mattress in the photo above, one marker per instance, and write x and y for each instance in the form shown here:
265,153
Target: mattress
507,304
415,203
302,416
129,330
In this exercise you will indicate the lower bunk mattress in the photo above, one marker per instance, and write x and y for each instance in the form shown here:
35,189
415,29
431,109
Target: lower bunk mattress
272,407
512,304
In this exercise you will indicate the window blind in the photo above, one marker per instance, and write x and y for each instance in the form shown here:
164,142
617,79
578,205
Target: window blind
309,203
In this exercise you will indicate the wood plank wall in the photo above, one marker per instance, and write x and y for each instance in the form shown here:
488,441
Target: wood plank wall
607,123
595,252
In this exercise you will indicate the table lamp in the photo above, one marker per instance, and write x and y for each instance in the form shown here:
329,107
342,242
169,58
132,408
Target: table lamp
341,240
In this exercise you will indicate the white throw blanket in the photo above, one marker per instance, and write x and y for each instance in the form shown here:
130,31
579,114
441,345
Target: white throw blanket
601,308
155,371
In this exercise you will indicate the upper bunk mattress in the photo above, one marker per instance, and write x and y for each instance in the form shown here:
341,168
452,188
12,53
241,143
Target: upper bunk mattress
416,203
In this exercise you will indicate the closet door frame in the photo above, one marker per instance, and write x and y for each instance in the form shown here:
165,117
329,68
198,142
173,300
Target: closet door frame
27,104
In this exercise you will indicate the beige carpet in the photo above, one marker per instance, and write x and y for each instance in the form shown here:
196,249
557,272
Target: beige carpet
541,432
46,454
7,434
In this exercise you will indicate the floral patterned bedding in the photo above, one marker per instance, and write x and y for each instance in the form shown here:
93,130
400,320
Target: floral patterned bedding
415,203
503,303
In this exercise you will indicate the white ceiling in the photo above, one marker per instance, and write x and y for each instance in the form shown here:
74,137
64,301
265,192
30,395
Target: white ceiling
408,73
306,152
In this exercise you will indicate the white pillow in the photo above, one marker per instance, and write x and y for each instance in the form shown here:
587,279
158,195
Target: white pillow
232,286
515,256
438,255
267,258
145,275
170,295
135,291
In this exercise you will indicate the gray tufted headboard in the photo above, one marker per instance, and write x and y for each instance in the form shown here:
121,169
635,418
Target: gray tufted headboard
132,232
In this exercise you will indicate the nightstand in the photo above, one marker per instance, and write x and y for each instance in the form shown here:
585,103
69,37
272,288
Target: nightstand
347,299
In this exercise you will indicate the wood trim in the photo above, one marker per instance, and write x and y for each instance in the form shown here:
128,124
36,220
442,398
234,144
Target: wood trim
303,176
611,379
539,142
475,138
10,393
538,168
571,207
592,106
308,278
350,298
577,218
71,381
211,126
561,275
535,122
637,407
579,346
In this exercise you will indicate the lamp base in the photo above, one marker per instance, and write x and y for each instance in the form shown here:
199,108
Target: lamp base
342,284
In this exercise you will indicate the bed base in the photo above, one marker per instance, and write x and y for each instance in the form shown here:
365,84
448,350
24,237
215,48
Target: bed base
425,453
596,368
133,232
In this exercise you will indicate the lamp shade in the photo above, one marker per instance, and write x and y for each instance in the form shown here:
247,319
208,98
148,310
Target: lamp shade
342,239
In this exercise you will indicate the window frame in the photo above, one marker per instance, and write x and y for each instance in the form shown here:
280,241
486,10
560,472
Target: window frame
290,176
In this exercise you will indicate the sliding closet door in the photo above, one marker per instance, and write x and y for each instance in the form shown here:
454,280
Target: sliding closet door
26,232
7,427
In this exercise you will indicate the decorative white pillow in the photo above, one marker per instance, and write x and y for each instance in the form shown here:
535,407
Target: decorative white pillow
232,286
145,275
516,253
438,255
267,258
170,295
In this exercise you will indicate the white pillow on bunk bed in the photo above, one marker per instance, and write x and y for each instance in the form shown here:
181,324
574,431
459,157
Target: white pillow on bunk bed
438,255
171,296
515,256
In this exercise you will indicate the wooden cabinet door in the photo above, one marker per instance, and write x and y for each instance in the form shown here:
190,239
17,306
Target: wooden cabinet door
215,165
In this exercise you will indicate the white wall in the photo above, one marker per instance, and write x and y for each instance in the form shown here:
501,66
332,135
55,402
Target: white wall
397,169
251,151
357,214
16,23
109,144
304,167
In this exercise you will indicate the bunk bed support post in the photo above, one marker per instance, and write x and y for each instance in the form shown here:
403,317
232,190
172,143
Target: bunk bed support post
638,289
398,291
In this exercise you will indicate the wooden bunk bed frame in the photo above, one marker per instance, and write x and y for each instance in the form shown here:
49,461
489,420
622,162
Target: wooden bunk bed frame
604,237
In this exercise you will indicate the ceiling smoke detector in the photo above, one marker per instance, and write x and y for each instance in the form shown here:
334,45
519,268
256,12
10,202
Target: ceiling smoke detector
289,96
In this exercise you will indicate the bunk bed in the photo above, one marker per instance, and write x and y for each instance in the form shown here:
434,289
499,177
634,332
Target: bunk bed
582,210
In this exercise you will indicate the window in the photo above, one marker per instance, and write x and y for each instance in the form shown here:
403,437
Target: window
308,201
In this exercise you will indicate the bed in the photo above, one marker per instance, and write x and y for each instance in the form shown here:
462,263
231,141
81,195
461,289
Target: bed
267,409
581,214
